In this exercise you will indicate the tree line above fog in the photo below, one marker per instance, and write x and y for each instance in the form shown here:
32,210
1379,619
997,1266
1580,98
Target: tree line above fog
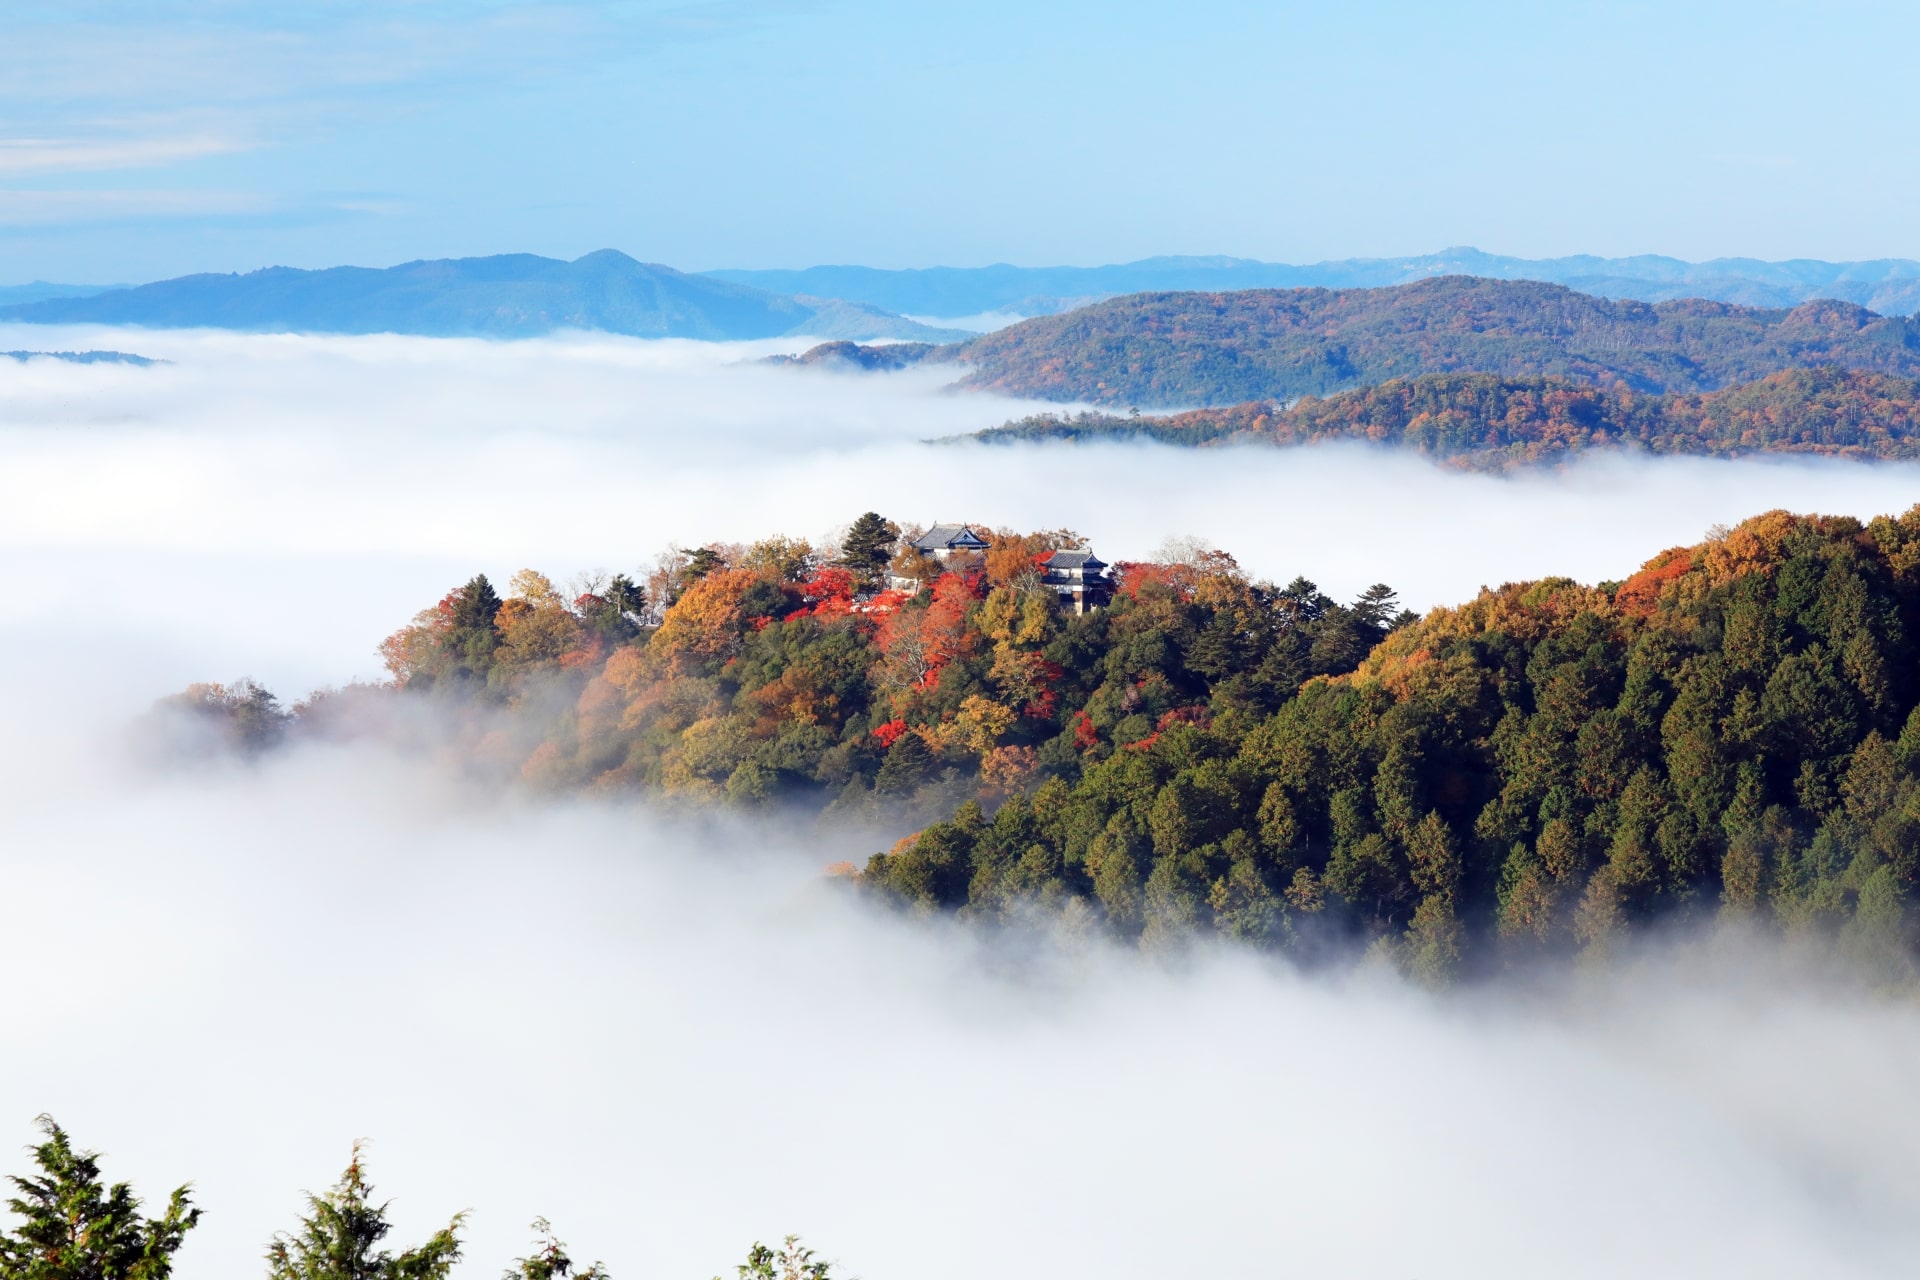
1485,421
70,1224
1730,732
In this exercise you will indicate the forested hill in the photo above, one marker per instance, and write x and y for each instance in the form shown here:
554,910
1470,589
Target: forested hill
1488,422
1178,350
1733,730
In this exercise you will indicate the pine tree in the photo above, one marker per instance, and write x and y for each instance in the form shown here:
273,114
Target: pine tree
340,1236
471,638
74,1229
868,548
627,598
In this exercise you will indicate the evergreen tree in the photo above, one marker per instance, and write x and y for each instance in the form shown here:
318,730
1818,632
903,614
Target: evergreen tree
868,548
906,765
471,637
549,1260
71,1228
791,1262
701,561
339,1239
626,597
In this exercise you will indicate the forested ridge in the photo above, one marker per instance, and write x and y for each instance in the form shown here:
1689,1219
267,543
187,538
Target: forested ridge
1188,350
1486,421
1729,731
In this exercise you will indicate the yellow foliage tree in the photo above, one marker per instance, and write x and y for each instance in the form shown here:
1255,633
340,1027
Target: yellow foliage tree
704,624
781,559
981,721
534,623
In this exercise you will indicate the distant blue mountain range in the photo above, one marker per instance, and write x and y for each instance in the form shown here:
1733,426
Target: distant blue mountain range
40,290
1890,286
508,296
521,295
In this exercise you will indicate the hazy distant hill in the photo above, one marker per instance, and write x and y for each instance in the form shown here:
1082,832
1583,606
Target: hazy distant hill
507,296
1485,421
1890,286
39,290
1176,350
853,357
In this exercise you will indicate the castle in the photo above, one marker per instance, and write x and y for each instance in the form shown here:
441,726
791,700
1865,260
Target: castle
1078,577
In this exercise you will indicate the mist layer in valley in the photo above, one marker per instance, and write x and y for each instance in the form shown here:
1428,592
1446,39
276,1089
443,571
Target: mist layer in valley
276,504
671,1037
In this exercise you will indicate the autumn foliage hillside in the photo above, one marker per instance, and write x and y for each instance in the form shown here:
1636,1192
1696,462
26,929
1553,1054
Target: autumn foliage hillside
774,676
1731,731
1487,422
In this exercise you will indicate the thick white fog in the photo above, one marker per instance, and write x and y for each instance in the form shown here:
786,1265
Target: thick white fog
674,1040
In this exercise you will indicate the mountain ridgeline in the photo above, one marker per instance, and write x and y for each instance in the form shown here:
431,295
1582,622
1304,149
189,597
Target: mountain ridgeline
506,296
1483,421
1182,350
1732,731
1890,286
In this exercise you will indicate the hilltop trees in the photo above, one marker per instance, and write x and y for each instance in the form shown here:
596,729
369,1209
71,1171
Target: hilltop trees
452,643
243,717
1731,730
867,548
1487,421
769,679
71,1227
1734,729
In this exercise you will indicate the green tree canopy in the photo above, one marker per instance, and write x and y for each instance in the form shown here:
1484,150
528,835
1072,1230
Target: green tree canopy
549,1259
790,1262
339,1239
73,1228
868,547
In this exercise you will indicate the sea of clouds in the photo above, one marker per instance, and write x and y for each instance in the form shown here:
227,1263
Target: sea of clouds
673,1039
276,504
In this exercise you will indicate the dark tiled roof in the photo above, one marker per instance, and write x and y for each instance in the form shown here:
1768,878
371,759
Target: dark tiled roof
1074,560
949,537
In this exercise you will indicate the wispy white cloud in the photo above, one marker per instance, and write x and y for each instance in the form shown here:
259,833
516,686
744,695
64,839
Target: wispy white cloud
77,154
164,56
87,205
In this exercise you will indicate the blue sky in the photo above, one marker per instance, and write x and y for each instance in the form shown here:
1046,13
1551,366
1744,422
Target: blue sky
140,140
